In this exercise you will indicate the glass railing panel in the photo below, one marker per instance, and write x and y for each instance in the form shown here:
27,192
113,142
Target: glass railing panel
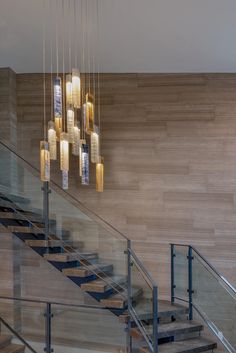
77,230
91,329
181,272
24,187
85,235
27,320
215,300
142,298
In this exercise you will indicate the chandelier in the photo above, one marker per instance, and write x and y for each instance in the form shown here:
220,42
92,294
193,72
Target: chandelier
71,31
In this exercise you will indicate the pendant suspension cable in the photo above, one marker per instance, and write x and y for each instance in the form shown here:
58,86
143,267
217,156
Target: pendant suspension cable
57,39
88,42
63,65
69,35
83,12
51,58
75,34
98,73
93,60
44,71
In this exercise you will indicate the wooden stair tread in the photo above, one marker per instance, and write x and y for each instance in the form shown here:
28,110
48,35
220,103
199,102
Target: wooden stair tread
13,348
83,271
4,340
20,217
118,300
22,229
170,329
165,309
194,345
101,286
43,243
69,256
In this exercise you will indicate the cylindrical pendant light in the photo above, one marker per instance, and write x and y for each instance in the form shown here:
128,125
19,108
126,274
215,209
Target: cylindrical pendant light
69,99
82,142
76,88
95,149
85,164
58,105
65,177
89,113
52,140
70,124
64,151
84,118
100,175
44,161
76,141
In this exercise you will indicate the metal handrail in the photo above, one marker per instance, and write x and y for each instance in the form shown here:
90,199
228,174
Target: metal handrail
37,301
211,326
17,335
143,268
75,200
218,274
102,275
212,270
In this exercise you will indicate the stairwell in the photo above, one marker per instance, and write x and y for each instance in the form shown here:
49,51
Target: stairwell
176,334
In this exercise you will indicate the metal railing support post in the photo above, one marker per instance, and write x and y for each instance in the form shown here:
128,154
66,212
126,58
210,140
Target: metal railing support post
172,273
190,281
48,329
129,290
155,319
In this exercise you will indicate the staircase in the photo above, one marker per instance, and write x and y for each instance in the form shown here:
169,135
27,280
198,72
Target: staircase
176,334
111,273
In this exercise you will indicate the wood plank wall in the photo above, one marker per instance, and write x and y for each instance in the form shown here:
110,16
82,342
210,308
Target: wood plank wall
169,143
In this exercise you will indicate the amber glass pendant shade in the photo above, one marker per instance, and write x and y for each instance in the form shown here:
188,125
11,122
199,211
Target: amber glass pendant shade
100,175
52,140
89,113
58,105
70,124
44,161
69,96
76,88
64,151
95,148
85,164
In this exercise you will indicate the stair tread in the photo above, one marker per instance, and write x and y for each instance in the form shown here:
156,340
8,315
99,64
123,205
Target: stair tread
194,345
118,300
13,348
43,243
170,329
101,286
83,271
165,309
70,256
4,340
23,229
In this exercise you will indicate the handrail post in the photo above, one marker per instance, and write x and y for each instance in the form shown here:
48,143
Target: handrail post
48,329
172,273
46,191
129,291
190,281
155,319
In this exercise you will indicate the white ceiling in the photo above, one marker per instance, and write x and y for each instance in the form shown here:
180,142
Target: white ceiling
136,35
